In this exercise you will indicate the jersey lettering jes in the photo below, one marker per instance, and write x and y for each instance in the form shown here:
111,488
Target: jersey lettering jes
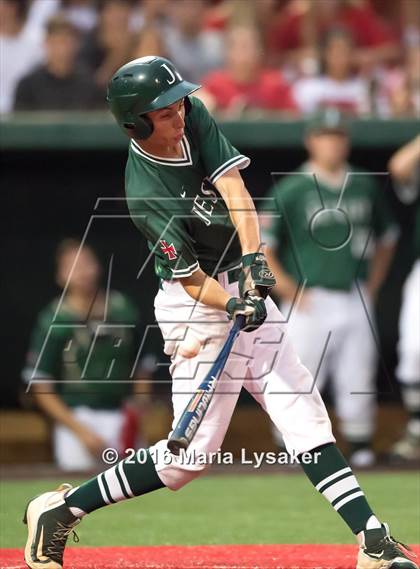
174,203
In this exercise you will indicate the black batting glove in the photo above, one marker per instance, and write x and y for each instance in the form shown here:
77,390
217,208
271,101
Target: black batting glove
255,276
252,307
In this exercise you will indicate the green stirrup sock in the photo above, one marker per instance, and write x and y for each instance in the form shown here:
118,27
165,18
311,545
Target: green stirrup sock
334,479
127,479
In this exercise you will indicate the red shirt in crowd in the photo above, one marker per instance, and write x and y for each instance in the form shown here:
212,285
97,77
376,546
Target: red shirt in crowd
365,26
268,90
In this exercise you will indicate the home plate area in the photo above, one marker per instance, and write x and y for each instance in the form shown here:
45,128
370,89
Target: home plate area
202,557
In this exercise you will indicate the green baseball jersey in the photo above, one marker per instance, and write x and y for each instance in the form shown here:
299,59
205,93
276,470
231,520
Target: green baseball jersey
174,203
89,362
325,236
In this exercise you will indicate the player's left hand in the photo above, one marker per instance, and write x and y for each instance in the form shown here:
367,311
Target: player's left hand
252,307
255,276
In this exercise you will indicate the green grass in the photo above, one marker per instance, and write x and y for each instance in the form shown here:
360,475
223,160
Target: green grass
278,508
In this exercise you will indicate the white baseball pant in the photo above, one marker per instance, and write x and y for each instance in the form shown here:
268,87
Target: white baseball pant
334,335
264,362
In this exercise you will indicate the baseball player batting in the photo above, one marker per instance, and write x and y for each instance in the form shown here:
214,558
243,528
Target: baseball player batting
186,196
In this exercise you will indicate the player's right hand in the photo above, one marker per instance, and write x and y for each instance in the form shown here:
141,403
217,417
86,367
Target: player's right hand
253,308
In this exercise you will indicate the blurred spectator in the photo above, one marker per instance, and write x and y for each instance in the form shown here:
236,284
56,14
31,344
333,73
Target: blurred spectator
221,15
398,89
59,84
80,361
262,14
110,44
245,83
148,21
81,13
149,13
338,86
302,24
407,14
218,14
194,50
40,11
404,167
20,49
331,233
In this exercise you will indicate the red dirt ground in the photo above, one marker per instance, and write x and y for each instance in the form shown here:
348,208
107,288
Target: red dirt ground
202,557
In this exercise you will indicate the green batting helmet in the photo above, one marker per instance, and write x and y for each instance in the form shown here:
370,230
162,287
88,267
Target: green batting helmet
143,85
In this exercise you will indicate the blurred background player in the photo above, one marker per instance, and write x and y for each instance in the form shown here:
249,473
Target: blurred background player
405,170
322,243
79,364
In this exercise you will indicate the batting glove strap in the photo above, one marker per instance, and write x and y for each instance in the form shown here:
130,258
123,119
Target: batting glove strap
255,275
253,308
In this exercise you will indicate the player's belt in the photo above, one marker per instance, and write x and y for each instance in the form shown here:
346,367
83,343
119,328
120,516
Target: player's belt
233,275
228,277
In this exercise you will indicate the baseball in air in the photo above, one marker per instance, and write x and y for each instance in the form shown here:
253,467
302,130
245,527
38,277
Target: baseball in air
189,347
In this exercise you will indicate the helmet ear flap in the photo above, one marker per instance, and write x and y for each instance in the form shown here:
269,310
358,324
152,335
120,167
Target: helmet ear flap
187,105
141,127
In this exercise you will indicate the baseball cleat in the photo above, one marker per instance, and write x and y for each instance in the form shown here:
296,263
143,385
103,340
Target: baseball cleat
50,522
379,550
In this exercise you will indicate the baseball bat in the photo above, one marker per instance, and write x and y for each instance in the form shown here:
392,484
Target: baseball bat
196,409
